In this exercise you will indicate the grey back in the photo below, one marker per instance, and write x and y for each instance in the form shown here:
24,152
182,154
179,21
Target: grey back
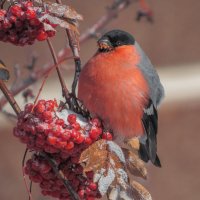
156,88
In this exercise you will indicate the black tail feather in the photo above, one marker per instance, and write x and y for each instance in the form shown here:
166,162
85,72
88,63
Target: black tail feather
148,147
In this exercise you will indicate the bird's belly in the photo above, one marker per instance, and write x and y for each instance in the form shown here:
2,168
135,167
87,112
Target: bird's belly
120,109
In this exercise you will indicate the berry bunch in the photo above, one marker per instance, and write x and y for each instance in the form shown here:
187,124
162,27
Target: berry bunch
41,128
20,25
39,171
64,136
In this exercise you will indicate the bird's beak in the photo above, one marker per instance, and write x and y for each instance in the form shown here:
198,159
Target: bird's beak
104,44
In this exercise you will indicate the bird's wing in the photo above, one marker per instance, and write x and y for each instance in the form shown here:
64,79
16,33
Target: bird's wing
156,88
148,143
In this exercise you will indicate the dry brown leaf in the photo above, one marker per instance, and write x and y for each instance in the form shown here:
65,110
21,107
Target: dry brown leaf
95,156
140,192
4,72
134,164
134,143
107,161
62,23
63,11
60,14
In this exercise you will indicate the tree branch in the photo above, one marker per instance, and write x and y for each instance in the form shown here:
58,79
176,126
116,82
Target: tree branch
61,176
65,91
117,7
8,95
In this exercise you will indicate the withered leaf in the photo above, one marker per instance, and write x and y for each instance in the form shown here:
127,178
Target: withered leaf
62,23
107,161
140,192
63,11
59,14
134,143
4,72
134,164
95,156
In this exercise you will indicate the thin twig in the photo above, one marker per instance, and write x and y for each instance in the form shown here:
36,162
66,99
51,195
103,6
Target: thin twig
63,54
24,176
2,3
9,97
31,79
65,91
74,45
61,176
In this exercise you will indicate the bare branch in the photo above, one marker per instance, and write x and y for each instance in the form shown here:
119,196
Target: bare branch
63,54
61,176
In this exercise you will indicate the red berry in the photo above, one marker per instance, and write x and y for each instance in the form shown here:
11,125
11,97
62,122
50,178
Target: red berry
30,14
57,130
36,178
27,4
60,122
60,144
51,33
2,14
88,190
47,115
90,174
81,193
69,145
6,24
66,135
75,159
71,118
51,140
74,134
42,36
90,198
41,127
19,24
35,165
44,167
107,136
40,108
16,10
34,22
12,19
88,141
96,122
92,186
95,133
76,126
80,139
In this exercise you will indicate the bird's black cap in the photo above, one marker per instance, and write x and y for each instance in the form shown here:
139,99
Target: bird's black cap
115,38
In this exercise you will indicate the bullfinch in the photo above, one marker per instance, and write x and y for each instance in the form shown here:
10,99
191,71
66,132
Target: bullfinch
121,87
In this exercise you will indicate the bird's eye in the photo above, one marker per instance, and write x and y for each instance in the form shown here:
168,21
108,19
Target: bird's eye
118,43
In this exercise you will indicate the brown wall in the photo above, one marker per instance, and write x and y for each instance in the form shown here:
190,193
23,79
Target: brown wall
173,39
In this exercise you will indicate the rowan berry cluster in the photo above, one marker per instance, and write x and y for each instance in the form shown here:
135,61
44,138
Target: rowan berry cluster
39,171
42,129
20,25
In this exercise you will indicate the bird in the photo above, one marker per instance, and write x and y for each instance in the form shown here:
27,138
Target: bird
120,86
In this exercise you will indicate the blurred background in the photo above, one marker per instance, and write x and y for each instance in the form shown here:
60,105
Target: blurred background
172,42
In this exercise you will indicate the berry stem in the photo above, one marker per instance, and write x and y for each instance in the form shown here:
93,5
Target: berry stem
55,59
61,176
2,3
74,45
75,48
9,97
114,10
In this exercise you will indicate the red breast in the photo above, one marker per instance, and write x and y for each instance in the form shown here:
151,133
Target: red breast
113,88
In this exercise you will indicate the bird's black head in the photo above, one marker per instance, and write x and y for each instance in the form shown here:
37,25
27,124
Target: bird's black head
113,39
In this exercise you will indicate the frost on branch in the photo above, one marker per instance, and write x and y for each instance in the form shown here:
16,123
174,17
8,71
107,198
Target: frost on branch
111,166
